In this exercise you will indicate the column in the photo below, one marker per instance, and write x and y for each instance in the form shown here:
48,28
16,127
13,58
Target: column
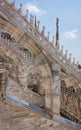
56,73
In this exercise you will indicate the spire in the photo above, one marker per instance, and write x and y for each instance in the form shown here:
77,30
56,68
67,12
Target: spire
62,48
73,60
53,40
35,21
70,56
38,25
57,33
31,18
26,16
66,52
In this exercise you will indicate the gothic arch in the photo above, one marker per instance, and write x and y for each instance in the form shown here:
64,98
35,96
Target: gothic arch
6,25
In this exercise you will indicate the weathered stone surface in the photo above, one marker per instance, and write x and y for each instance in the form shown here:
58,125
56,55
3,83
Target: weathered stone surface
28,74
13,117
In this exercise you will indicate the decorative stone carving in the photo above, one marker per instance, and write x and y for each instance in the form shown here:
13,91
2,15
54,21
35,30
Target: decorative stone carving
70,102
3,81
34,80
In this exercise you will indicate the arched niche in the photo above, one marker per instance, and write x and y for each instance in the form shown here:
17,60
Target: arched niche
13,30
39,81
27,55
6,35
34,81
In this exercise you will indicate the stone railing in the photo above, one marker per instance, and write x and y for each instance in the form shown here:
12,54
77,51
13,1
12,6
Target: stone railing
10,46
14,48
26,25
71,103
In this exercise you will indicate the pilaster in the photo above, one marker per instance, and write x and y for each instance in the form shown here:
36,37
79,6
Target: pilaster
56,73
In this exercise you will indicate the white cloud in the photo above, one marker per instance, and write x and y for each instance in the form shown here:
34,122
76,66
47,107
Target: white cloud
71,34
34,9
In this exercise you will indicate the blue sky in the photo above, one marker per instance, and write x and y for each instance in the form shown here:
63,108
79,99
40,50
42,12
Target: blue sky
69,14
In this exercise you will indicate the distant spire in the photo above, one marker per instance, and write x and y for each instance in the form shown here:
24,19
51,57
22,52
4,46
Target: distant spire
73,60
57,33
70,56
62,47
35,21
31,18
66,52
53,40
26,16
38,27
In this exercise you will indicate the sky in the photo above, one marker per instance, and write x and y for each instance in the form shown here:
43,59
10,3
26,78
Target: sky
69,14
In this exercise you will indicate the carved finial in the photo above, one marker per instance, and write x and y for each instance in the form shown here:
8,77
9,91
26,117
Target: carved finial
32,19
73,60
43,30
21,7
53,40
13,3
26,16
38,25
57,33
48,35
62,47
66,53
35,22
70,56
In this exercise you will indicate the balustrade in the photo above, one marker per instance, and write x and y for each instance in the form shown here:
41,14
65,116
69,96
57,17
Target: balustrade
10,46
16,49
70,101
